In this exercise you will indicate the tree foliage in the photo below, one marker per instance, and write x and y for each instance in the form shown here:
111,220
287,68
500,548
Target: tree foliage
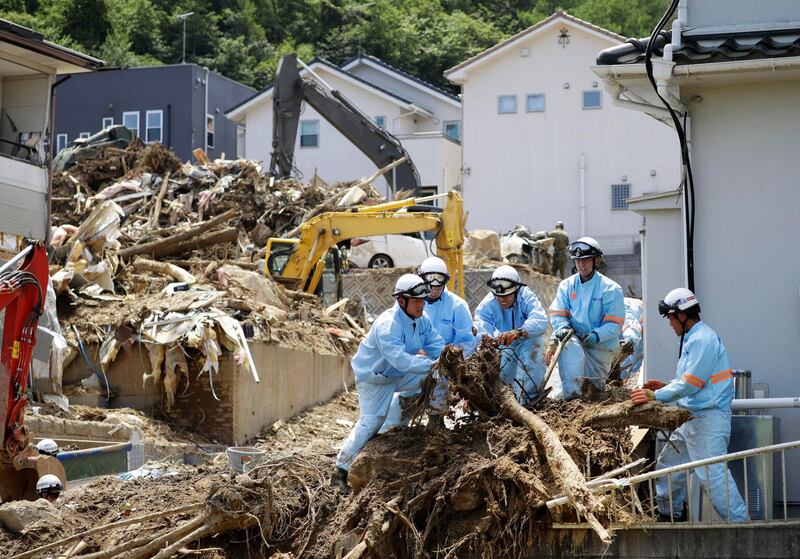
244,39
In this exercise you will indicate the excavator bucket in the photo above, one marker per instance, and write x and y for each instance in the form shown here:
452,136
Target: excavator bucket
17,484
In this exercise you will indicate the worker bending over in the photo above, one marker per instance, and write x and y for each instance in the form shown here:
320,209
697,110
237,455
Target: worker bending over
451,318
631,339
591,305
49,487
703,384
388,360
512,314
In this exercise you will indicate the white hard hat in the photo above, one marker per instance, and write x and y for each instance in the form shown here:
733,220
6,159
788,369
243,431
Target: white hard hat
559,224
48,481
505,280
678,300
434,271
585,247
47,446
412,286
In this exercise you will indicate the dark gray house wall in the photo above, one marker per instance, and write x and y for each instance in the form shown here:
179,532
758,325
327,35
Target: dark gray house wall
178,91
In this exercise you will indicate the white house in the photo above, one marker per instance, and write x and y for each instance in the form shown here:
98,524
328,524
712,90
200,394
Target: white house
425,118
543,142
732,68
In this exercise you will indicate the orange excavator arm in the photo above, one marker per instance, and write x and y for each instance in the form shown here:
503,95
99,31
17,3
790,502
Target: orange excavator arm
23,287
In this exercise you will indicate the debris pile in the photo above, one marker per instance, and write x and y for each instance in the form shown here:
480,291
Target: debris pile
151,251
480,489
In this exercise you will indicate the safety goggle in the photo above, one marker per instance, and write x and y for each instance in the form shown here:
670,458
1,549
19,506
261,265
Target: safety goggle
581,250
419,291
664,309
50,493
502,287
435,279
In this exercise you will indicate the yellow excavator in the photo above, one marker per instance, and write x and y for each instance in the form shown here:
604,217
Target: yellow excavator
299,263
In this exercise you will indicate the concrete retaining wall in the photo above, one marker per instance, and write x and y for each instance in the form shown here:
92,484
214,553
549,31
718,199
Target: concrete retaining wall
291,381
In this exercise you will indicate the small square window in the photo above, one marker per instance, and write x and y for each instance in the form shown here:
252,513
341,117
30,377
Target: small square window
619,196
534,103
84,135
155,121
452,130
61,142
592,99
507,104
108,121
380,120
130,120
209,131
309,133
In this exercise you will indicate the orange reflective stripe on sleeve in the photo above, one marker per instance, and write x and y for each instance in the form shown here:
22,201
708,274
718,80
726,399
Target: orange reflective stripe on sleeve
723,375
559,313
618,320
693,380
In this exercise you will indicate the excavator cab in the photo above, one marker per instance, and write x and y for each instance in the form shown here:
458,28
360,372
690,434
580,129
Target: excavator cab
23,284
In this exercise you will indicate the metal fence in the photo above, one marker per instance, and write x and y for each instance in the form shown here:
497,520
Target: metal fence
642,499
374,287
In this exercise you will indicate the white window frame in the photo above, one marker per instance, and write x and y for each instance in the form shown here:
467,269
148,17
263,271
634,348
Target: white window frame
107,121
447,123
378,123
620,186
599,103
312,121
212,135
500,102
147,126
62,140
544,103
241,146
129,113
84,135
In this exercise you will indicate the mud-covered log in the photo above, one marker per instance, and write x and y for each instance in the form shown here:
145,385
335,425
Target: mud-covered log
486,391
650,414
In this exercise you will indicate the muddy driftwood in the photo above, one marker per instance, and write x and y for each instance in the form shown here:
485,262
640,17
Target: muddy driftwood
484,388
651,414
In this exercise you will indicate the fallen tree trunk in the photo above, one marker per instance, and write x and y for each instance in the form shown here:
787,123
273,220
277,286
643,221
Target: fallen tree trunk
162,247
486,391
169,246
175,272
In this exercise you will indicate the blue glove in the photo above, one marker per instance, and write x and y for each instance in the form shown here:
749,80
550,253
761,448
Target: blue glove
561,334
591,340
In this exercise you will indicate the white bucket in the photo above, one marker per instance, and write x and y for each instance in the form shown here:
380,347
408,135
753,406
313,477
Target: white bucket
238,456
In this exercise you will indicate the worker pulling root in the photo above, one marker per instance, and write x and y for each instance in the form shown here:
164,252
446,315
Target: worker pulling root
512,314
703,384
591,305
631,339
451,318
388,360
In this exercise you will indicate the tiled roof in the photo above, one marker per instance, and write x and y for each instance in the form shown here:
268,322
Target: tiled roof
405,74
697,49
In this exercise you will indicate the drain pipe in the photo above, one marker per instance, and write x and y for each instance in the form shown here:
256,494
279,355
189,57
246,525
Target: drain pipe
583,194
765,403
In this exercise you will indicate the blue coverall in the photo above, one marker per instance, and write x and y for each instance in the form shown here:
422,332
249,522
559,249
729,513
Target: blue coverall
633,331
451,318
386,362
595,306
521,363
703,384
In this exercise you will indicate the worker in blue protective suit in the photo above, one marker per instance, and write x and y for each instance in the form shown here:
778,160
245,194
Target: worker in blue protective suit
450,316
631,339
591,305
390,359
703,384
512,314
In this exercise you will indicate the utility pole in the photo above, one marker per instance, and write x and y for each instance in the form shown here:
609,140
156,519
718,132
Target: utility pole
183,18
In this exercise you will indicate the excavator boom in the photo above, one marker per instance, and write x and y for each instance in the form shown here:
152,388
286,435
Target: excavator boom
303,259
23,285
